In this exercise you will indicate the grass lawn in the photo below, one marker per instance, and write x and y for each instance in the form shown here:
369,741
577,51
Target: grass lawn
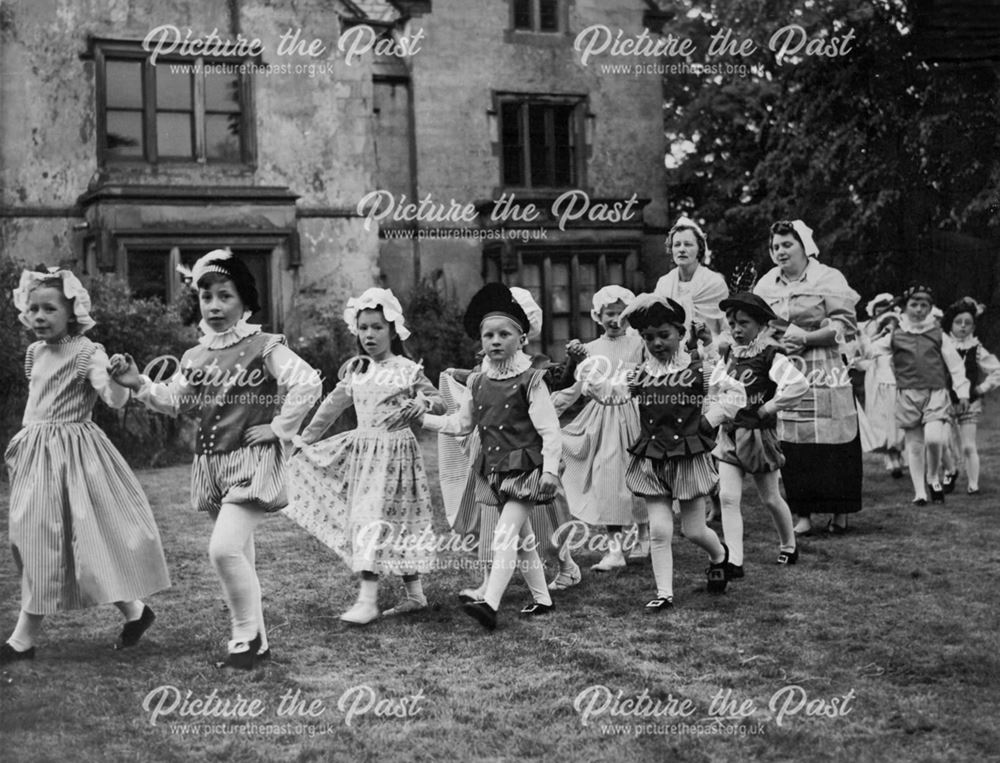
880,645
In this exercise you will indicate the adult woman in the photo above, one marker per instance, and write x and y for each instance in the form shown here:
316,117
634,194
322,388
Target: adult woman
697,288
819,436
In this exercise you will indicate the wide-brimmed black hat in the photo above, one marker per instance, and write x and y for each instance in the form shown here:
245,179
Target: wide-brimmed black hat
653,310
751,304
493,299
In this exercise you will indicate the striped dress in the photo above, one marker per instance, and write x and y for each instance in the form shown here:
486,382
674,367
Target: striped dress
81,529
596,442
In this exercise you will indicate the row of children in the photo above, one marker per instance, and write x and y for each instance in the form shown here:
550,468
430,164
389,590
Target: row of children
926,373
651,431
82,532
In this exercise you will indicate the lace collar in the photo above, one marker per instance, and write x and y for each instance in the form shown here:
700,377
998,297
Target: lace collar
679,362
917,327
755,348
964,344
506,369
219,340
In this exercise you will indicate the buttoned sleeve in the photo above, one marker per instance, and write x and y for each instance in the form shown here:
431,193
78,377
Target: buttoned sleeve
989,367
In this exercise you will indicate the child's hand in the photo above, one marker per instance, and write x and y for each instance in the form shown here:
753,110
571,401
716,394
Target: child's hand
124,371
548,485
259,435
962,406
576,350
702,332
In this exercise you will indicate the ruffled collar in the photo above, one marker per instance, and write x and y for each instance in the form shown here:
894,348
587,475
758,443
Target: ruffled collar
917,327
964,344
756,347
507,369
219,340
679,362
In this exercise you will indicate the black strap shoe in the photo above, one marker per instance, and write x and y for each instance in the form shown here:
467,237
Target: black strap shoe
132,630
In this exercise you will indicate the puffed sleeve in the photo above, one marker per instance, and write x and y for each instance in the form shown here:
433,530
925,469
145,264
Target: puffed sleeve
791,382
726,396
301,384
989,367
110,391
424,390
459,423
840,301
171,397
546,422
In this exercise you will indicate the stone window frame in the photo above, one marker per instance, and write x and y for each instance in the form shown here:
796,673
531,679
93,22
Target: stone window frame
274,246
535,10
611,263
102,50
579,132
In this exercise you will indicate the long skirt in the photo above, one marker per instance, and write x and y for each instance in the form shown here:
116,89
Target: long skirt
822,479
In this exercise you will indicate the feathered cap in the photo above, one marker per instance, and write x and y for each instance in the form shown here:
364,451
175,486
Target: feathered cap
654,310
493,299
376,299
72,289
223,261
531,309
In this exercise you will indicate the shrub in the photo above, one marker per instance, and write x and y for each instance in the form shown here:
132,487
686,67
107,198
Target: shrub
144,328
438,338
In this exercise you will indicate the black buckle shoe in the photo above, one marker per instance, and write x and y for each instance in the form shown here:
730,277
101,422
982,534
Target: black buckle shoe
659,604
788,557
718,573
482,613
244,659
948,483
535,609
937,496
132,630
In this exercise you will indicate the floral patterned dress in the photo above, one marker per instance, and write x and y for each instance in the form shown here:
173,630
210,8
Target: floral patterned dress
364,493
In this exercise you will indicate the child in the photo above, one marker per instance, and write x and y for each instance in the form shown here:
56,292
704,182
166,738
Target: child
923,360
81,529
364,493
982,369
232,378
672,458
749,445
520,445
885,436
473,518
596,441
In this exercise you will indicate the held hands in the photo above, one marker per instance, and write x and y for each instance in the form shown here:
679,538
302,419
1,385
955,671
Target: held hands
548,485
576,350
259,435
700,331
962,406
124,371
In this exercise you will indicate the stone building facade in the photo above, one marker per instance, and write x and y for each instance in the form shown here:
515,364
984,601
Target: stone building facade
268,126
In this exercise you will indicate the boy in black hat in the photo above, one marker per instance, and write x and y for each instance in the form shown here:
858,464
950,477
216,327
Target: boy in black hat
520,440
672,457
749,444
